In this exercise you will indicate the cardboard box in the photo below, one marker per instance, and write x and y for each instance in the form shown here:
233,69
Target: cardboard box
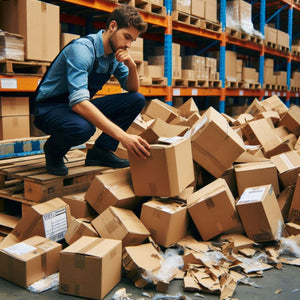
260,213
14,127
166,220
255,174
14,106
285,200
291,120
50,219
238,12
160,128
111,189
7,223
230,65
210,10
182,5
215,145
79,206
270,35
166,173
198,8
274,103
90,267
77,229
294,213
249,75
158,109
38,23
121,224
188,108
29,261
283,39
288,166
213,211
66,38
255,108
11,46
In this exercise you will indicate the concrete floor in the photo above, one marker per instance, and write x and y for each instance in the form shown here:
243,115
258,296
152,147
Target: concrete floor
286,280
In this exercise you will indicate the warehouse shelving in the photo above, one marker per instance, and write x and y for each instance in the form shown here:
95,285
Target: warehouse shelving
89,14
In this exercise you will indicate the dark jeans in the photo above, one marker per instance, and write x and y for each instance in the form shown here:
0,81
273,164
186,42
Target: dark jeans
67,129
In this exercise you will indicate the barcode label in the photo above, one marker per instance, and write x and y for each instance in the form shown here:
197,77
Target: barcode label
55,224
252,195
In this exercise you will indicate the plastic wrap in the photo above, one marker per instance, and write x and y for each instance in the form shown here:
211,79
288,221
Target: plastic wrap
45,284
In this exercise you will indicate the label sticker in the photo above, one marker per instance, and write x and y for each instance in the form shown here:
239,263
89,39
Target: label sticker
9,83
19,249
55,224
252,195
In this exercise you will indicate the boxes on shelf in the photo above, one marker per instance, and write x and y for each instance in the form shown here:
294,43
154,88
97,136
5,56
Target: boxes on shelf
90,267
11,46
38,23
66,38
283,39
210,10
270,36
182,6
198,8
230,65
260,213
29,261
250,75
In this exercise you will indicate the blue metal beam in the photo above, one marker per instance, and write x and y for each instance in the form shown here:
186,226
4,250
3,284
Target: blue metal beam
277,12
206,48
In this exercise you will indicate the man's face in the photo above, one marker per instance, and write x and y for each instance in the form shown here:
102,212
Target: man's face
122,38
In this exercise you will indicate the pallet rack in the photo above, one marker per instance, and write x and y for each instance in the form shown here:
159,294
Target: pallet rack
177,31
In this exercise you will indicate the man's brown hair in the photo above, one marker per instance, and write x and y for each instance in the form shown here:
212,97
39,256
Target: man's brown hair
127,16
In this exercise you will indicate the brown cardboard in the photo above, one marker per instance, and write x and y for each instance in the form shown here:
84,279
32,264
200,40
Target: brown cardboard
291,120
37,22
213,211
255,174
294,213
158,109
292,228
210,10
260,213
160,128
66,38
90,267
166,172
182,5
215,144
121,224
285,200
78,205
113,188
271,35
50,219
77,229
188,108
274,103
198,8
14,127
231,65
166,220
11,46
288,166
29,261
7,223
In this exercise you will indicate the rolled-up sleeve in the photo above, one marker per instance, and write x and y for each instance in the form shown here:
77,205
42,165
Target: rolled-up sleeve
121,73
79,61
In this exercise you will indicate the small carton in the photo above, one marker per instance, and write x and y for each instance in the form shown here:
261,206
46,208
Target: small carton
14,106
50,219
113,188
215,145
255,174
160,128
90,267
294,213
188,108
166,172
77,229
260,213
274,103
29,261
66,38
285,199
78,205
291,120
121,224
213,211
288,166
166,220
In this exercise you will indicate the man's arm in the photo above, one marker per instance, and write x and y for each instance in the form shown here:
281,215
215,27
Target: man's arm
133,77
133,143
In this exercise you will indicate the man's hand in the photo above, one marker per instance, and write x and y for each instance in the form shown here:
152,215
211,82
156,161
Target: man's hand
122,55
136,145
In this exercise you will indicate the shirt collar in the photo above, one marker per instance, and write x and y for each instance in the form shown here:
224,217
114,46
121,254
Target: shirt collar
99,46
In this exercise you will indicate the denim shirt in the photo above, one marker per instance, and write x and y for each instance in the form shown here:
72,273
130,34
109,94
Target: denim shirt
75,73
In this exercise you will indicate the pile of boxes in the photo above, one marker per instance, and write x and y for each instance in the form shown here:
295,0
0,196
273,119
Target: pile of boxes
276,38
218,175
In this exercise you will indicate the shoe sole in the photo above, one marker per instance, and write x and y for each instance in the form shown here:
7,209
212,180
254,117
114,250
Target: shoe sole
97,163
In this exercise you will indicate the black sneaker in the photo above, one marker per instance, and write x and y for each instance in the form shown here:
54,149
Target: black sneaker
101,157
54,165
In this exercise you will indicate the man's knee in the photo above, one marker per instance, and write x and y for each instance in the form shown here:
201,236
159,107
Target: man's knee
138,99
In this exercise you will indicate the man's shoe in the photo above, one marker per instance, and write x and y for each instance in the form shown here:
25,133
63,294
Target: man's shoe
54,165
101,157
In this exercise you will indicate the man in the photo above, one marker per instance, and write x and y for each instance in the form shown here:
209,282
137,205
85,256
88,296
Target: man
64,106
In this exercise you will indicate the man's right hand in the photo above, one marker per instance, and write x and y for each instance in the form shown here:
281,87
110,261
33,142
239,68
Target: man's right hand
136,145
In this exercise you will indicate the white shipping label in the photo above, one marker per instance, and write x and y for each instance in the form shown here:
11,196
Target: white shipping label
55,224
9,83
19,249
252,195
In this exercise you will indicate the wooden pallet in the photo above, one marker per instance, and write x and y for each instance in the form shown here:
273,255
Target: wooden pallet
210,25
158,81
136,3
269,86
11,67
26,179
215,83
296,53
251,85
233,84
271,45
185,18
295,89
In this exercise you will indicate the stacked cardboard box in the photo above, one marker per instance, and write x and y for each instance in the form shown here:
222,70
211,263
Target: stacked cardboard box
11,46
295,80
14,118
276,38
